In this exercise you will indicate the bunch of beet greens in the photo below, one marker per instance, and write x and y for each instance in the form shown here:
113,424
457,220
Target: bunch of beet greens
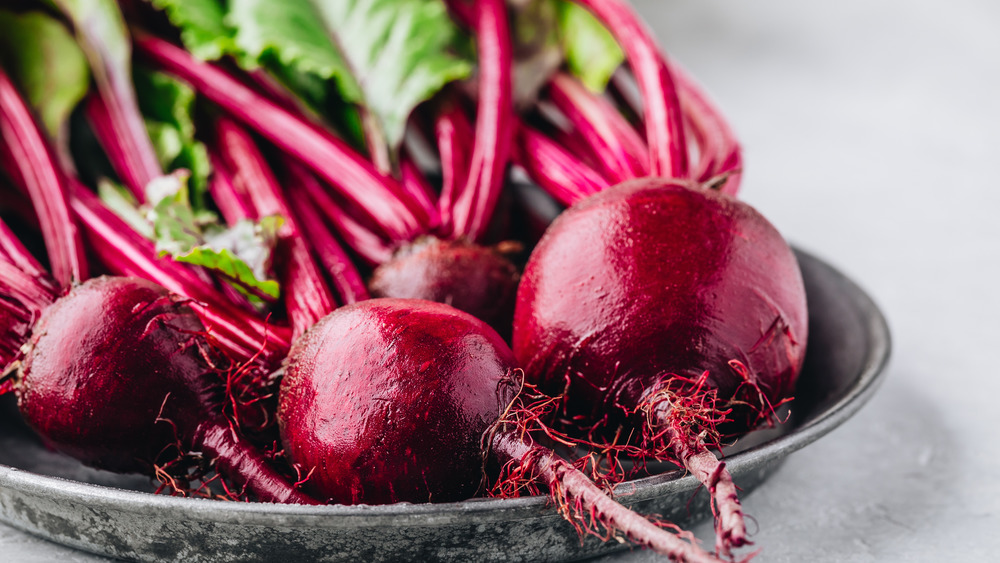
306,231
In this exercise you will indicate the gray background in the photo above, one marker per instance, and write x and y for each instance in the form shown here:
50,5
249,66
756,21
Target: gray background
871,139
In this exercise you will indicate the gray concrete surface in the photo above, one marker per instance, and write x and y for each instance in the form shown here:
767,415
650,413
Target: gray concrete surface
871,137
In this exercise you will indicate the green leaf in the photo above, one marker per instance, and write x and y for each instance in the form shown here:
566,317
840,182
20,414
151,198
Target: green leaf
165,99
401,52
289,34
386,56
102,34
121,201
202,25
232,267
592,54
42,57
175,228
168,105
241,254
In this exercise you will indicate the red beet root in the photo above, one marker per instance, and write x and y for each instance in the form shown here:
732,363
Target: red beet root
656,304
392,400
479,280
386,411
118,374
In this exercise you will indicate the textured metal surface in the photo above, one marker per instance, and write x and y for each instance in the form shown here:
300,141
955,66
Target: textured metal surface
848,348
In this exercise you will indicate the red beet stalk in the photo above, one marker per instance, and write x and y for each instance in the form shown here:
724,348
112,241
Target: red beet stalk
663,119
371,246
234,205
612,141
12,251
452,131
123,152
381,196
337,264
36,167
719,149
25,290
114,115
560,173
307,298
23,296
476,200
721,153
415,182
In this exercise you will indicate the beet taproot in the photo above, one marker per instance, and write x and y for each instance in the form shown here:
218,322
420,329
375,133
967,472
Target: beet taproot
119,374
678,311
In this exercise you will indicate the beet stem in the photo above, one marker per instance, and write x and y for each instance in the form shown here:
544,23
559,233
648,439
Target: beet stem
233,205
454,135
32,293
369,244
594,120
36,167
719,149
415,182
14,252
120,152
307,297
343,274
475,203
663,118
329,157
557,171
126,138
722,152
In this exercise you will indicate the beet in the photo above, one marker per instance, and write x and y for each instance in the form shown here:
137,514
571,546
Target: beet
118,374
399,400
672,309
362,384
476,279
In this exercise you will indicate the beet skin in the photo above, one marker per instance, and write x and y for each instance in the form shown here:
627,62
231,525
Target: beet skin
652,278
476,279
119,374
385,399
676,311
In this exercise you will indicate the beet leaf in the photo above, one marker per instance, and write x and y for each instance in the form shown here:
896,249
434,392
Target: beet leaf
592,54
167,106
101,33
42,57
202,26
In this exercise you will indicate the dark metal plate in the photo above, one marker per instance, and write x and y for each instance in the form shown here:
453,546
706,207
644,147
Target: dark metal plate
52,496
